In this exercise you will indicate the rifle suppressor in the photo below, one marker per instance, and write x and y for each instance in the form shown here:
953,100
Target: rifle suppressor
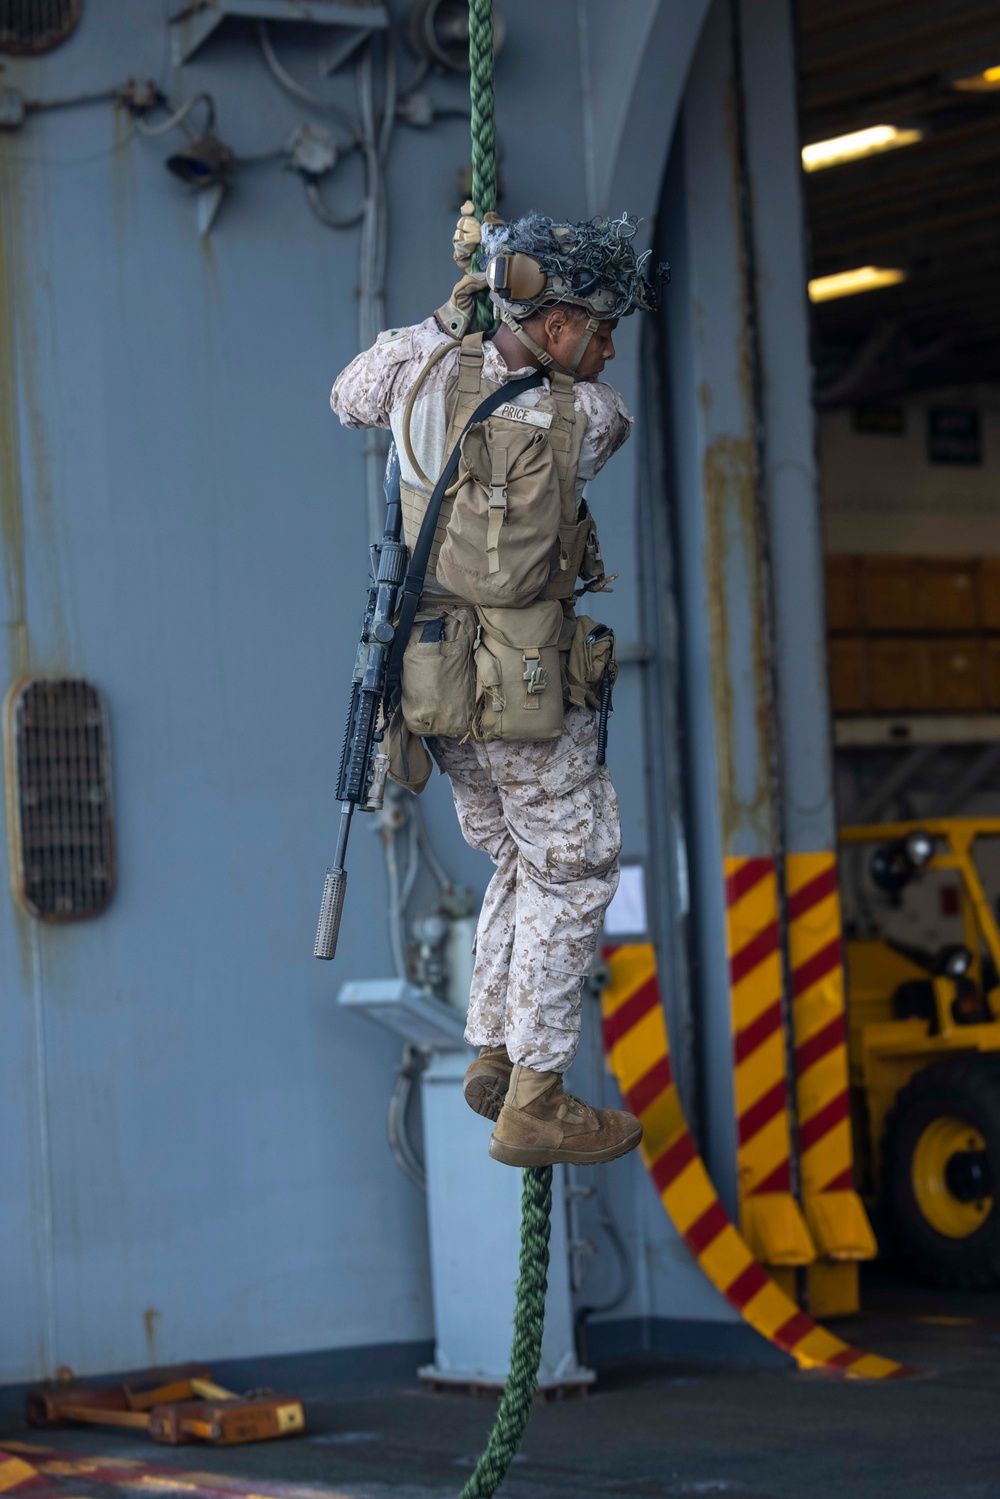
330,911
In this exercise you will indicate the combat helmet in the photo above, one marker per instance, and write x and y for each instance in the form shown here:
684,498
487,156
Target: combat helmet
535,263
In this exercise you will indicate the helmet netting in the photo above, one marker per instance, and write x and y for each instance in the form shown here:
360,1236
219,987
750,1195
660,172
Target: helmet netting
595,254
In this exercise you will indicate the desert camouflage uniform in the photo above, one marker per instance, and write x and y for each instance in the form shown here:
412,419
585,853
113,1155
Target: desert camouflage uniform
547,815
545,812
372,392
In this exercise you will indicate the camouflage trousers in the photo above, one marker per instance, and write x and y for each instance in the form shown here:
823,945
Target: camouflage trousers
547,815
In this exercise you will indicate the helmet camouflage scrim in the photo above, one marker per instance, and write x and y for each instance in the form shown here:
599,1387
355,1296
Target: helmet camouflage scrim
535,263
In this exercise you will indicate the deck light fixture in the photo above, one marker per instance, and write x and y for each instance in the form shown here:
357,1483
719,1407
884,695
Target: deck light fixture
206,166
919,848
849,283
858,143
985,82
203,162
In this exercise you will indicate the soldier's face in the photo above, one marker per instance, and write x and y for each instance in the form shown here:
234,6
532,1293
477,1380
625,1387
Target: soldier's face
564,335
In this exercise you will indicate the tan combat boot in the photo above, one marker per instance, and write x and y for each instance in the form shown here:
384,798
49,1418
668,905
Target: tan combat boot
486,1081
540,1125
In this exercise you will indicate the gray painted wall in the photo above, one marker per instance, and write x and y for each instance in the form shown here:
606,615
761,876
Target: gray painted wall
192,1136
193,1147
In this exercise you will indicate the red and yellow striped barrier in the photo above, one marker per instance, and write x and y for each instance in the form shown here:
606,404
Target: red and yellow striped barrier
770,1216
814,952
834,1212
635,1041
55,1473
814,949
16,1474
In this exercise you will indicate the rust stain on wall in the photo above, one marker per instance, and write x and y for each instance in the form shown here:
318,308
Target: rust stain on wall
150,1318
15,621
729,478
123,175
11,497
734,577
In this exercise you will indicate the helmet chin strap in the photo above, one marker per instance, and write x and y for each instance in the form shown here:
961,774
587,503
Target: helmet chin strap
542,355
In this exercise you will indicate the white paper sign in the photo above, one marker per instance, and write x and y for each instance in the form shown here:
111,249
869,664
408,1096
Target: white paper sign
626,915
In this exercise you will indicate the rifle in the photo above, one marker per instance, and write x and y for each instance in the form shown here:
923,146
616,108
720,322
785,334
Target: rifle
398,581
363,764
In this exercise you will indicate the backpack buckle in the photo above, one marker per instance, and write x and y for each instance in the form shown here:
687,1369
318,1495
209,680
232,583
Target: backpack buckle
535,674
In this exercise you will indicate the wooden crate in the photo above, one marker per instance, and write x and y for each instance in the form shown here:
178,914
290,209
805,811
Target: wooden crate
897,675
948,594
954,675
991,673
989,593
843,599
921,593
890,593
848,675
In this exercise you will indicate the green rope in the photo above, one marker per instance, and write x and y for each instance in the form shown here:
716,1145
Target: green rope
484,127
529,1320
536,1192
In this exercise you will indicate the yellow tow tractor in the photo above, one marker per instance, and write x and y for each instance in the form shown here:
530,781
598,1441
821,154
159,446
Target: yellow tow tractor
924,1040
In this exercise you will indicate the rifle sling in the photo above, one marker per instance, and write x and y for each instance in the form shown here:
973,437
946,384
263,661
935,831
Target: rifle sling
413,583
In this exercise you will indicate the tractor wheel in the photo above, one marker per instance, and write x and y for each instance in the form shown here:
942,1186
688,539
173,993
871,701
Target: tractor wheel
941,1172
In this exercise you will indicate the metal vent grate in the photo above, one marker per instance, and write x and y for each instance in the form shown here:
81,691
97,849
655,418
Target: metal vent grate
36,25
57,754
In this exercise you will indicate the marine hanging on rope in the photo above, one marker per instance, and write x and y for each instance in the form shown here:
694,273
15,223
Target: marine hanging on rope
483,664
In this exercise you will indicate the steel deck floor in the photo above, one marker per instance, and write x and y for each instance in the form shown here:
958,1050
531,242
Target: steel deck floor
673,1429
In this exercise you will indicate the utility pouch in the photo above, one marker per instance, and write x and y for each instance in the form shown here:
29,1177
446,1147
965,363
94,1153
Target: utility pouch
591,656
591,563
578,556
410,765
438,684
519,693
498,545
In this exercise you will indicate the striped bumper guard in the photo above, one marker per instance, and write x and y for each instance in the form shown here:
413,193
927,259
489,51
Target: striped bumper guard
16,1475
635,1042
770,1218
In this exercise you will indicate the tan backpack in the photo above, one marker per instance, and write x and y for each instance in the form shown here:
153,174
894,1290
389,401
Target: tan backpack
497,537
510,542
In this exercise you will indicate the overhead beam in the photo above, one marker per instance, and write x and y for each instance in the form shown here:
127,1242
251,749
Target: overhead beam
898,205
820,19
927,24
982,767
932,50
896,778
965,199
909,247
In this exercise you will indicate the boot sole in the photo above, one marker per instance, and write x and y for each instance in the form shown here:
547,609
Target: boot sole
534,1155
485,1095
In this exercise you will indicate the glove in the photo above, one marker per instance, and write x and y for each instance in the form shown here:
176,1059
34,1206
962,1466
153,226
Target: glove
469,233
456,316
467,237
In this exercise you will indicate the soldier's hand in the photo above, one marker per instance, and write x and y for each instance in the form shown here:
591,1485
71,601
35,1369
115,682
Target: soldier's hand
458,312
467,237
465,292
469,233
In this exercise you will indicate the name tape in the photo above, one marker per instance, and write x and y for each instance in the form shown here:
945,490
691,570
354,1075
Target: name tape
511,412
